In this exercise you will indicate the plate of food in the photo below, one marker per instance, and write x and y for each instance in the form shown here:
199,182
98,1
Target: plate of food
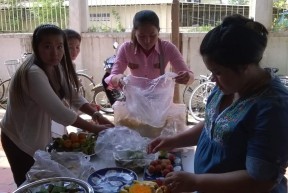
165,163
135,160
111,179
74,142
56,184
144,186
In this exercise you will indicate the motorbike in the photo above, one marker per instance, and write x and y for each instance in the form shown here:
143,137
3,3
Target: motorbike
104,97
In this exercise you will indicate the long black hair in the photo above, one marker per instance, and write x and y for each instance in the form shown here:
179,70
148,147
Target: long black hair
141,18
238,41
20,79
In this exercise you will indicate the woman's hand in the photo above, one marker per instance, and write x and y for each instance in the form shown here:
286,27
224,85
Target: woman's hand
183,77
180,182
160,143
117,80
99,118
104,121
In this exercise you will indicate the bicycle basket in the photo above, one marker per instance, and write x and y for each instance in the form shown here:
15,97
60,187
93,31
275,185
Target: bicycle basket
12,66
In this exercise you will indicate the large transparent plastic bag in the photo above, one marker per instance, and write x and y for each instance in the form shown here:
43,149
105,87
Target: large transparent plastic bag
149,106
125,146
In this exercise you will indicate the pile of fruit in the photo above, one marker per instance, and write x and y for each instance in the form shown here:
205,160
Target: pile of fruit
144,187
163,165
75,142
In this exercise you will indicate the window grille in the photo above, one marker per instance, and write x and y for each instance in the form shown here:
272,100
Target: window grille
26,15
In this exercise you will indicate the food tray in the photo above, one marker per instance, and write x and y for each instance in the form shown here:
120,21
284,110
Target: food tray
177,166
111,180
88,147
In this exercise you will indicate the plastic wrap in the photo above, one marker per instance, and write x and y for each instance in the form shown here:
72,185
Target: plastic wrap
64,164
127,147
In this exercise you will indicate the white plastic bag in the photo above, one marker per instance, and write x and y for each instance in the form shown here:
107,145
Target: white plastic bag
64,164
149,106
148,100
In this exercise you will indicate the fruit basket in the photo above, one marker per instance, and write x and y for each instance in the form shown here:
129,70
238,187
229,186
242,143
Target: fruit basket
74,142
57,184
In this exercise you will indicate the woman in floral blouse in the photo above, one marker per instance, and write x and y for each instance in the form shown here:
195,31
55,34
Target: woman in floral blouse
242,144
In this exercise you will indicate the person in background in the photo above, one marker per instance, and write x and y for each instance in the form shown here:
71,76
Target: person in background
146,54
35,98
242,144
74,42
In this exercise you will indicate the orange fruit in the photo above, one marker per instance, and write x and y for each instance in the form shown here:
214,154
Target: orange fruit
81,136
75,145
67,143
73,137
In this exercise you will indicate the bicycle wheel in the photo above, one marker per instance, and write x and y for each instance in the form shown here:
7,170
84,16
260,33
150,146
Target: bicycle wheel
86,84
188,91
4,91
100,98
198,100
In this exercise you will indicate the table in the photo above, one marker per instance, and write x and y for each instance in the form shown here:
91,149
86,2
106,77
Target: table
187,155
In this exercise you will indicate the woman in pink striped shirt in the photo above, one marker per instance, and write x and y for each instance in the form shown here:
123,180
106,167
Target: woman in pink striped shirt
145,51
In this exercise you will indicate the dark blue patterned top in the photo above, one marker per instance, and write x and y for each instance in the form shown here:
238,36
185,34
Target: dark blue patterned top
251,134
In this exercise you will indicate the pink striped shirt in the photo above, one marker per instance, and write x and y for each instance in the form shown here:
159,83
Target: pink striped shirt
146,66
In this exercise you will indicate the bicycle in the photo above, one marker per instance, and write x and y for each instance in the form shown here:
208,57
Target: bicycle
12,66
4,89
96,94
86,82
189,88
199,96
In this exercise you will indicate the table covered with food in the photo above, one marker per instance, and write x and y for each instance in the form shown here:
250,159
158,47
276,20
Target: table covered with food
114,161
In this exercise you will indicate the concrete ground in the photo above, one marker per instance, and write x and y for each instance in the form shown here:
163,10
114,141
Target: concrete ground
6,178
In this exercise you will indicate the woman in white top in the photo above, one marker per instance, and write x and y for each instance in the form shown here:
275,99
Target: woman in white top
35,98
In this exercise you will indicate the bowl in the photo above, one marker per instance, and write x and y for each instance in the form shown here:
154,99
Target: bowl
73,184
111,180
